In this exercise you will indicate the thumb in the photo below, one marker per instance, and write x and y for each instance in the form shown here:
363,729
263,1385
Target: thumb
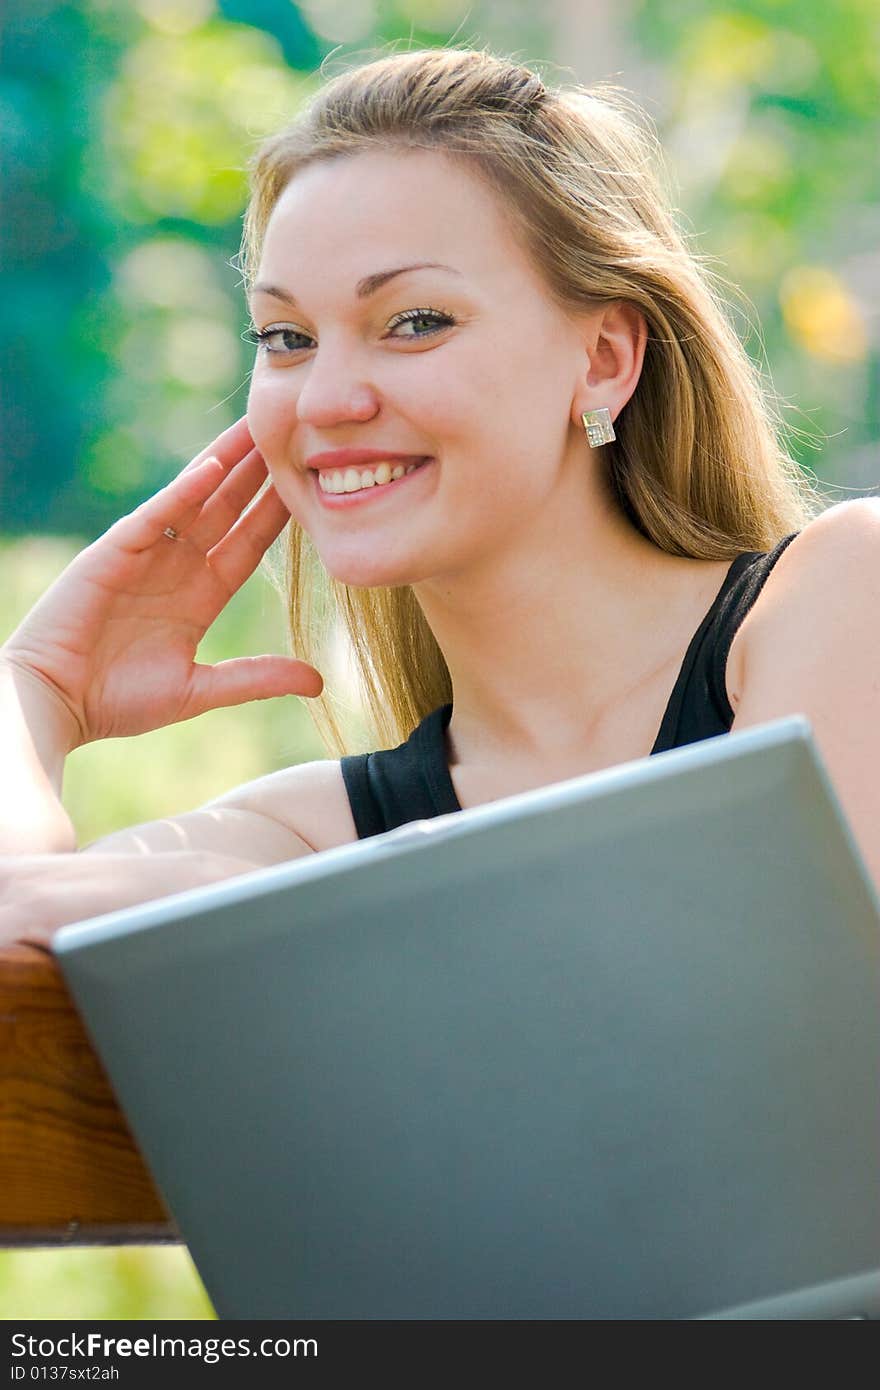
245,678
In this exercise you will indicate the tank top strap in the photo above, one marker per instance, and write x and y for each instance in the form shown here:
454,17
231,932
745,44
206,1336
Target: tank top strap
396,785
734,606
699,707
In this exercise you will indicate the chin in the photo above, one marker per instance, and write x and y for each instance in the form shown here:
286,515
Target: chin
369,576
370,571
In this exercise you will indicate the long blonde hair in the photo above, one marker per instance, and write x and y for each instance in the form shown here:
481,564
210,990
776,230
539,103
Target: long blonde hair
698,465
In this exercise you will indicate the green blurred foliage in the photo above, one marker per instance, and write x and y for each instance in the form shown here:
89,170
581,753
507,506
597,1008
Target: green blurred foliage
127,133
770,120
156,1282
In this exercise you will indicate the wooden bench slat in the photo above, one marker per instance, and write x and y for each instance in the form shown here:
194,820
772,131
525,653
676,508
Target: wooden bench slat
70,1173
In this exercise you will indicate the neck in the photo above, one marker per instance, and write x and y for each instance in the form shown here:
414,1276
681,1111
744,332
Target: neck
545,636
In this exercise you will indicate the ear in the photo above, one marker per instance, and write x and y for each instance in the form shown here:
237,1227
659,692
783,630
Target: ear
614,342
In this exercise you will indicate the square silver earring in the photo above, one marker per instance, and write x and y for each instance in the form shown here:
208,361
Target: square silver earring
599,428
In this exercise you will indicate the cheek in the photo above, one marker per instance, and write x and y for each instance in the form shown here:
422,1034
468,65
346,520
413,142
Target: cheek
260,412
271,417
503,388
271,411
451,397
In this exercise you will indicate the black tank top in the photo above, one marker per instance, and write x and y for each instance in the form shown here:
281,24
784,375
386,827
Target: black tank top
412,782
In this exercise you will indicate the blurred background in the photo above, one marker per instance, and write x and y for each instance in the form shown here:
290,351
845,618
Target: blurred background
126,125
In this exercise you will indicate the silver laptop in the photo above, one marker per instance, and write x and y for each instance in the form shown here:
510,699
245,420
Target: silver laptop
609,1049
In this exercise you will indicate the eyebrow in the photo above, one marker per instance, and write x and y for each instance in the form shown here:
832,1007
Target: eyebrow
365,287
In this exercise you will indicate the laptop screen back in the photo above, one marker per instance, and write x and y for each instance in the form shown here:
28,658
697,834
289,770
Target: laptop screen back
604,1050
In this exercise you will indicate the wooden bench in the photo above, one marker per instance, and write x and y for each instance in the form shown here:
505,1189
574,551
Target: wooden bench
70,1172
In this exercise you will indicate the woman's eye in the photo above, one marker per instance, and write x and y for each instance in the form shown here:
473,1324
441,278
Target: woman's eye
275,340
435,320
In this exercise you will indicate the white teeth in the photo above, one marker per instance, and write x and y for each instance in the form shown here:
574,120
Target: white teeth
354,480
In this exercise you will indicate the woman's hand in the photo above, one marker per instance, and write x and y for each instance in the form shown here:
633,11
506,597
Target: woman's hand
115,637
41,892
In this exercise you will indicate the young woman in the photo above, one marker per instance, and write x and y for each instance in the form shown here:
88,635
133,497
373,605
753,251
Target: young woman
513,435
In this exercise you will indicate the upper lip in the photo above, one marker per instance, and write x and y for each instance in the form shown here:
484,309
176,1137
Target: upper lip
351,458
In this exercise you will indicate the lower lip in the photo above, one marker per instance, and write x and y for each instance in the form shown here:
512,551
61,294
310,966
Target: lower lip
339,501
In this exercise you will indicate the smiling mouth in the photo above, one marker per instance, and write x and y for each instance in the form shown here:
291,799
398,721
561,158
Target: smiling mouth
339,482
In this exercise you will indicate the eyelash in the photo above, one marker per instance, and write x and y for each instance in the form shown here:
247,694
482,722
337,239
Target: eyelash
260,337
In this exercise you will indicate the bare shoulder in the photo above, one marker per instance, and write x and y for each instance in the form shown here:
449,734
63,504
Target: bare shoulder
831,567
309,800
829,573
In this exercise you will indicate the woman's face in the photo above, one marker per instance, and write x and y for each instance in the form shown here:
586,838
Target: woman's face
465,362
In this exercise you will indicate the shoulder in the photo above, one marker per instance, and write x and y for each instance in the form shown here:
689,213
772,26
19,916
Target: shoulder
836,543
309,799
822,589
825,569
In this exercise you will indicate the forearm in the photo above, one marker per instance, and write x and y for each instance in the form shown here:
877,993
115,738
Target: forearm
41,892
36,733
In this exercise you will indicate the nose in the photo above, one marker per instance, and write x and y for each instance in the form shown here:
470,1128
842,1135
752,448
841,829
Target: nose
334,389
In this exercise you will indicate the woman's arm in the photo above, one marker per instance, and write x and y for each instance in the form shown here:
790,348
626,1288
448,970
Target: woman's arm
41,892
246,829
811,646
36,734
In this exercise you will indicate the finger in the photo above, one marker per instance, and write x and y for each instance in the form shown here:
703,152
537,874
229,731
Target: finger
246,678
176,505
223,509
236,557
179,502
229,447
